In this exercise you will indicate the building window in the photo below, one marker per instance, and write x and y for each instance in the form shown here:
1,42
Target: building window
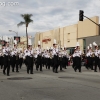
68,37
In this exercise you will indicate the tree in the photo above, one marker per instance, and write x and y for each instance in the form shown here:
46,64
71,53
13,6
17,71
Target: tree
26,22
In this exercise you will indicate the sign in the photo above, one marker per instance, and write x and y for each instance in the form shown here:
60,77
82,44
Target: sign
17,39
46,40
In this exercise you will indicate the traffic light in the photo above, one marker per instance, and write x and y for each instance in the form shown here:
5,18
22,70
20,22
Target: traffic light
81,15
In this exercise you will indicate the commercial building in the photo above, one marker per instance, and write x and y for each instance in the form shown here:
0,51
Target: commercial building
69,35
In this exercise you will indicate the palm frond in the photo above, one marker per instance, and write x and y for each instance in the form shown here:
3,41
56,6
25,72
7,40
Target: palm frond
23,15
30,21
21,23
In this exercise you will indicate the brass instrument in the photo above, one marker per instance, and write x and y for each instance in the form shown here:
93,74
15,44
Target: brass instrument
8,52
17,56
31,53
50,55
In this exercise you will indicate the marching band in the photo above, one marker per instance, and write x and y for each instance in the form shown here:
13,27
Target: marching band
50,58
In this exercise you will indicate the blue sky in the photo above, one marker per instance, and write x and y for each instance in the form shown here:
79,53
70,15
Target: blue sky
47,14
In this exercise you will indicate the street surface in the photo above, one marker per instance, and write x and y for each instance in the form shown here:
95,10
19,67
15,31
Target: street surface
46,85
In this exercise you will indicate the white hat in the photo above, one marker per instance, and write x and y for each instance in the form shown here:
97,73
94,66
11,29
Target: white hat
38,42
54,41
90,45
51,47
77,44
15,42
95,44
29,42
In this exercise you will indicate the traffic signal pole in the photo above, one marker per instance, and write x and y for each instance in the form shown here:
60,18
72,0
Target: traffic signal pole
94,23
81,17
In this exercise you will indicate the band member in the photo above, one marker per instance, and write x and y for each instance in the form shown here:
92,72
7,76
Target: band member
15,57
48,60
55,57
39,57
89,57
96,58
29,57
60,55
78,58
92,56
35,56
65,58
73,58
1,59
30,60
21,58
6,52
99,59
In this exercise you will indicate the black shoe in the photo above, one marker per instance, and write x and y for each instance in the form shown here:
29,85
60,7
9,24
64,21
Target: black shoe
56,72
31,73
41,70
95,71
17,71
4,73
37,69
8,75
74,69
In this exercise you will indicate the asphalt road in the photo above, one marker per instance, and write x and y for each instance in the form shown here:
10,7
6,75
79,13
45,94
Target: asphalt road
46,85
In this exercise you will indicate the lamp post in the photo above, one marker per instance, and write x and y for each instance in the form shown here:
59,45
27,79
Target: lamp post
14,32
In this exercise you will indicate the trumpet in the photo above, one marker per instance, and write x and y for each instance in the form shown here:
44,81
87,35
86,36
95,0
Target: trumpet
17,56
50,55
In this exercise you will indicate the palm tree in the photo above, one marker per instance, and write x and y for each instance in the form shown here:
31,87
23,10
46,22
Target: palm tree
27,20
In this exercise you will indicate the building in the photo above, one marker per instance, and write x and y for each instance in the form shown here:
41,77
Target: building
69,35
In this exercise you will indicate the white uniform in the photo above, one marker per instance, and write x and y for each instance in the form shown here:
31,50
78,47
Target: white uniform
6,51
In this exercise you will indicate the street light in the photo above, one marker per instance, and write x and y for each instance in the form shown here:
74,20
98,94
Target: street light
14,32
